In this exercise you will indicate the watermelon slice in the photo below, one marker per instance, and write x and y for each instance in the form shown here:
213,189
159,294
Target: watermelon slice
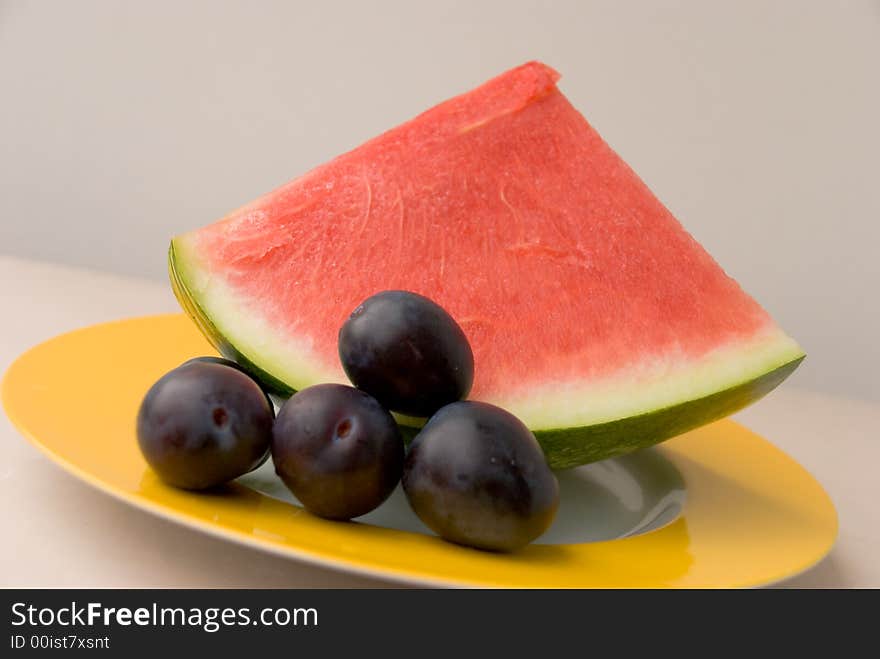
593,315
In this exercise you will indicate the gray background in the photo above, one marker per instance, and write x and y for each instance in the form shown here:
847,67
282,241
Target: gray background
122,124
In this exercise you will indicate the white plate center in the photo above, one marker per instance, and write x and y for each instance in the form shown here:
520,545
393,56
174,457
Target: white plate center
615,498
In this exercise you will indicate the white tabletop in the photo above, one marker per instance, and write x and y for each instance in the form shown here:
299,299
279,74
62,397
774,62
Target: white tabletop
61,532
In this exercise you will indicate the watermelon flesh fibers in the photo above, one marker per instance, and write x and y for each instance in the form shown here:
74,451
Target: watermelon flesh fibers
593,315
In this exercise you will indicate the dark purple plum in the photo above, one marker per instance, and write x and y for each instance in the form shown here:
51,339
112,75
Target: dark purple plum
407,352
204,424
213,359
477,476
338,450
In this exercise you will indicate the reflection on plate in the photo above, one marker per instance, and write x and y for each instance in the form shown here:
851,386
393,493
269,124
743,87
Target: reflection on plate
716,507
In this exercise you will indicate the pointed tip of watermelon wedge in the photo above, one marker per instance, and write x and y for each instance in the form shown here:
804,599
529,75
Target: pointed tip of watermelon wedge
533,74
578,441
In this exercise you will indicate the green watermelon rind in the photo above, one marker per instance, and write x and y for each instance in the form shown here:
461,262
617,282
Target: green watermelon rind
194,310
563,447
570,447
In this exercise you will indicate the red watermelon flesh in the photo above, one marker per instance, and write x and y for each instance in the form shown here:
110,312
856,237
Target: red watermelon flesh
585,301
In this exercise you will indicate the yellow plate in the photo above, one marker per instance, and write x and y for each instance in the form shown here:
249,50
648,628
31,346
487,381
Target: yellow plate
752,515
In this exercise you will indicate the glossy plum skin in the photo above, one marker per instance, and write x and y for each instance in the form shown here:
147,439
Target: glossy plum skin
213,359
407,352
204,424
477,476
338,450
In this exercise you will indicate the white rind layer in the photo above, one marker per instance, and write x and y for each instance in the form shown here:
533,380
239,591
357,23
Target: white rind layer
655,385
